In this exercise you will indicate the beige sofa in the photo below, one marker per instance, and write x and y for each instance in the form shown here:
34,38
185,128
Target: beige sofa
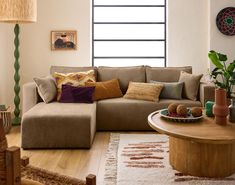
61,125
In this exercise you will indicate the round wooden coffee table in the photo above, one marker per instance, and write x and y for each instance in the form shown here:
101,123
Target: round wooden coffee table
202,148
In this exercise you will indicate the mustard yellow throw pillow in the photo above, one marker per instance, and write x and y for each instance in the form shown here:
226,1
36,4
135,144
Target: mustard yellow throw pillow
143,91
74,79
106,89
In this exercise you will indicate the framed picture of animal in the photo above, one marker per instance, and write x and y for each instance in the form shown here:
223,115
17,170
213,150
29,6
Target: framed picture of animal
64,40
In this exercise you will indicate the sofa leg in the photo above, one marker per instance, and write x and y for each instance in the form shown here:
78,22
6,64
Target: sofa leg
91,180
24,161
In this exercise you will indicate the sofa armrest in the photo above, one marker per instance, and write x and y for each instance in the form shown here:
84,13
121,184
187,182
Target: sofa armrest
30,96
207,92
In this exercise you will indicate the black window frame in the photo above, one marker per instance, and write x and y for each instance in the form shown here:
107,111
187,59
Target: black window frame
130,40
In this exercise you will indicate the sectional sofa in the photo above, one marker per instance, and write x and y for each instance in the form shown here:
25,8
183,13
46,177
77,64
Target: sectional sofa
71,125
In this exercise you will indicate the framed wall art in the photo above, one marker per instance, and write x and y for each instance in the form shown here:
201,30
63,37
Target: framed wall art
225,21
64,40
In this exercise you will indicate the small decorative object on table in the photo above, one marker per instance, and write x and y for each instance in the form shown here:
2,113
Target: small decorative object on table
6,118
232,111
208,108
220,108
224,79
180,113
3,108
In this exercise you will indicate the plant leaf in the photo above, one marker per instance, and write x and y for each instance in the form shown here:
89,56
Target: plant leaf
227,75
231,67
222,57
214,70
232,82
215,60
219,84
233,75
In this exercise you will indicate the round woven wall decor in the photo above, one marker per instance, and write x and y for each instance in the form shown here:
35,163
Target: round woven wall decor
225,21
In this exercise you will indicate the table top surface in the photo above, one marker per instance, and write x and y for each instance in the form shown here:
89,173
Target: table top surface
204,130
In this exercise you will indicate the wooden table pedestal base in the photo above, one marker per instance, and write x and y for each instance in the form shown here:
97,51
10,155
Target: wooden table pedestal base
202,159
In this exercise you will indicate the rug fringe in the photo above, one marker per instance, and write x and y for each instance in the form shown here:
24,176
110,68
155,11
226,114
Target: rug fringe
111,160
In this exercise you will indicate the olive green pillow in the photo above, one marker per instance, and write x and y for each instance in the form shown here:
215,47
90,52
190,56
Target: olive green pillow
171,90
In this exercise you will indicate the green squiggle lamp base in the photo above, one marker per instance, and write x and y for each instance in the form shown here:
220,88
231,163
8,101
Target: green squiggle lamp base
17,120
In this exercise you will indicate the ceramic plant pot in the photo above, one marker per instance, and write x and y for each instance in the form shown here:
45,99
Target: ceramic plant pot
232,111
220,108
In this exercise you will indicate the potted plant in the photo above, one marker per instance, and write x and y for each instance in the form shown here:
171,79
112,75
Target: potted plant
223,78
222,75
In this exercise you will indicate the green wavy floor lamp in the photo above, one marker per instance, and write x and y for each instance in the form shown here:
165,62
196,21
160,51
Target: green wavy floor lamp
17,12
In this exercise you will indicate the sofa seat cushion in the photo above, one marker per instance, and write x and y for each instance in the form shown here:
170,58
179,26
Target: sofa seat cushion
128,114
59,125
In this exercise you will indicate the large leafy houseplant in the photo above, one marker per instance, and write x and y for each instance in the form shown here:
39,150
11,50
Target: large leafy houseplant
222,75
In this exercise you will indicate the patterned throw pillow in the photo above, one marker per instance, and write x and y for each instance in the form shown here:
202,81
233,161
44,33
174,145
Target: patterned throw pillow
143,91
73,79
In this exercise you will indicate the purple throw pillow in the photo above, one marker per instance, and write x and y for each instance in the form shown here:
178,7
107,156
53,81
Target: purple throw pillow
71,94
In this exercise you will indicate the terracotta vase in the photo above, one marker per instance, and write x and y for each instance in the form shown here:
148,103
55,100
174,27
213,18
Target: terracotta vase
220,108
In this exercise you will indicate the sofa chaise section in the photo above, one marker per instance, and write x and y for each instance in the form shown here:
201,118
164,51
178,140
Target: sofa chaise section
59,125
131,115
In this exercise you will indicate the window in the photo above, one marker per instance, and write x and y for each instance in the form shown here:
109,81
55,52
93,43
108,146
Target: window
129,32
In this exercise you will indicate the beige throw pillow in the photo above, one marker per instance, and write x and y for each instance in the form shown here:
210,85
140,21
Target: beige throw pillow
143,91
46,88
191,85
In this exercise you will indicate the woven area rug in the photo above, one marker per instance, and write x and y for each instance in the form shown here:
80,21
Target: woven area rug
143,159
48,178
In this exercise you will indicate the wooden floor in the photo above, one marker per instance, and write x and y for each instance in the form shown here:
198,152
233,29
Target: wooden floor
76,163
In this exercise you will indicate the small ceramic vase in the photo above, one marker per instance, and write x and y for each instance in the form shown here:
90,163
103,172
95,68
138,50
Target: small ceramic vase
209,107
232,111
220,108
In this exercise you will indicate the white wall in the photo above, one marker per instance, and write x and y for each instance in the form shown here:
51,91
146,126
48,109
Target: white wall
6,63
188,34
36,53
218,41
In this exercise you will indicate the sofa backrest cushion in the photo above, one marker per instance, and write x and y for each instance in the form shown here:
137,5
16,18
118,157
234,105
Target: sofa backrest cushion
165,74
123,74
64,69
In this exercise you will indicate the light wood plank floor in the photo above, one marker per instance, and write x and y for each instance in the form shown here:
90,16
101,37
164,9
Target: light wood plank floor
76,163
